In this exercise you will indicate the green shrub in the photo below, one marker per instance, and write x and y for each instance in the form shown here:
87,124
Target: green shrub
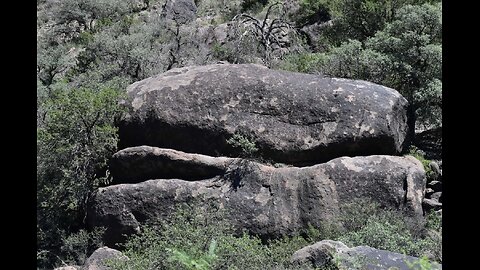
422,264
388,229
201,239
246,146
418,154
75,138
302,62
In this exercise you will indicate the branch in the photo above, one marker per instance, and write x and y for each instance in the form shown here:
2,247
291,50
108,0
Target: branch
268,13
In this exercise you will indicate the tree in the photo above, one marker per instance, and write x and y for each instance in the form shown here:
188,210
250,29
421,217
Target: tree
406,55
413,44
268,33
74,141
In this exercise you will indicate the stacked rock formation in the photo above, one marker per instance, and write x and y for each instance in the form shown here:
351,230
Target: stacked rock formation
338,140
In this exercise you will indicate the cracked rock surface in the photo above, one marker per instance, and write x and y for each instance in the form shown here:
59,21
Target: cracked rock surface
294,118
262,199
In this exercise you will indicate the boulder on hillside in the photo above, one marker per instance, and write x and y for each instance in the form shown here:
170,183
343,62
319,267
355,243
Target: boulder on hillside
182,11
322,254
264,200
293,118
97,260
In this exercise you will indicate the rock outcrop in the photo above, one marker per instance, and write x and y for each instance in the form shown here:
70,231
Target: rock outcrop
98,259
293,118
182,11
322,254
137,164
264,200
70,267
433,192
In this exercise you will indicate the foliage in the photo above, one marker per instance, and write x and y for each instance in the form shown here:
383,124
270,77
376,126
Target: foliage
422,264
74,140
77,246
271,35
245,145
406,55
388,229
420,155
413,43
313,11
302,62
192,239
202,263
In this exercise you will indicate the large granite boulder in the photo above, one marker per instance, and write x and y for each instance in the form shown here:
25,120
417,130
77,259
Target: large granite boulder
328,252
293,118
264,200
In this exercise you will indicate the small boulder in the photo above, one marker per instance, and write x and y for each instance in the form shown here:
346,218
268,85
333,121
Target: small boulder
70,267
321,254
97,260
182,11
430,204
437,196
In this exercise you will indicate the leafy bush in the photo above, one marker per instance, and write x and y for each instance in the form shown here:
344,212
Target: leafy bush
302,62
201,239
75,138
245,145
418,154
387,229
405,55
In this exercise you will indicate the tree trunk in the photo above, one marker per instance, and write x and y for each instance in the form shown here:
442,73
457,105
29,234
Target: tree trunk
411,120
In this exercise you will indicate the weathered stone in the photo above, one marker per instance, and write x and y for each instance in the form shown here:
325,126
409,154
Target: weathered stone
429,192
137,164
321,254
182,11
435,168
97,260
264,200
314,32
293,118
437,196
431,204
70,267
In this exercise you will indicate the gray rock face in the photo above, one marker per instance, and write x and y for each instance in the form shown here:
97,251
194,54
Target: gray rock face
293,118
96,261
137,164
182,11
264,200
321,253
67,268
431,204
